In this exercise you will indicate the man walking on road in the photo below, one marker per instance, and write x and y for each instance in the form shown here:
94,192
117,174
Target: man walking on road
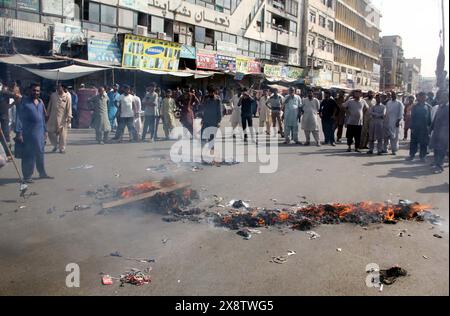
264,112
354,119
151,112
439,138
420,126
310,109
394,116
31,132
329,111
60,116
292,105
246,114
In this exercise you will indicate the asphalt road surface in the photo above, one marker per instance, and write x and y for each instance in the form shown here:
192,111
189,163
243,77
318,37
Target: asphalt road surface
42,234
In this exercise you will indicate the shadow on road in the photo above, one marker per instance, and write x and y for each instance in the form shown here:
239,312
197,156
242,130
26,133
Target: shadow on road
411,172
4,181
443,188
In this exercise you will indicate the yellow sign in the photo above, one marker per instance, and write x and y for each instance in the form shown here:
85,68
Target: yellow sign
242,64
151,54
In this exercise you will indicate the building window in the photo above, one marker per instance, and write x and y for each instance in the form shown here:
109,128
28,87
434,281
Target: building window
330,25
322,21
29,5
27,16
91,11
127,18
321,43
108,15
8,3
52,7
312,17
157,24
108,29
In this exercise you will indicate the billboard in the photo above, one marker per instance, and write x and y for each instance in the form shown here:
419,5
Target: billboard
206,61
151,54
225,63
104,51
65,33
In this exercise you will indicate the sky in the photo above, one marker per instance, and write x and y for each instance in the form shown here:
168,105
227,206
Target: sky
418,22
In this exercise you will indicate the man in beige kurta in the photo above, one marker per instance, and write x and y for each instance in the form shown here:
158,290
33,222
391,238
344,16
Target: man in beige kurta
60,115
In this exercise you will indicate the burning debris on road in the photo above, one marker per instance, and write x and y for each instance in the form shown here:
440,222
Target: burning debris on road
307,217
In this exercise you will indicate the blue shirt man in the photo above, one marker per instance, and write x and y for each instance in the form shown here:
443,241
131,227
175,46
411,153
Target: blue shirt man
31,133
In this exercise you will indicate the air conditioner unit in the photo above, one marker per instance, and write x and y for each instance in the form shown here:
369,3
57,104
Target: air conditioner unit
140,30
162,36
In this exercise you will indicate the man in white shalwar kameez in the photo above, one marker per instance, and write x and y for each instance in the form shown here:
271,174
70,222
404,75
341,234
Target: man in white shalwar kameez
310,109
264,112
394,116
292,104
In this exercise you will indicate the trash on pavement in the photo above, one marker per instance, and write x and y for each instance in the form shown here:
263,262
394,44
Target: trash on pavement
244,233
425,257
339,249
85,167
107,280
237,204
313,235
291,253
437,236
135,277
81,207
389,276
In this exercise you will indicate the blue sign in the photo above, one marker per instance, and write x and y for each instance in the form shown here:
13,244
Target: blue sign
104,51
188,52
154,50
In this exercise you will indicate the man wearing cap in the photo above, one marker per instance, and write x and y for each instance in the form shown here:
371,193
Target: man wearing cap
354,119
394,116
59,117
292,103
420,127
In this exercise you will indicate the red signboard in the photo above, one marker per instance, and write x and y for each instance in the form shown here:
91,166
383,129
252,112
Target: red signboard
206,61
254,67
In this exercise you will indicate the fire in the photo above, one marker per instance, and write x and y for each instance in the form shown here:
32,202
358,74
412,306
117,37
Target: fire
283,217
137,189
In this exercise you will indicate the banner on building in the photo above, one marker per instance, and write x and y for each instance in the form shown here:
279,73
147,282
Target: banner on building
153,54
247,65
284,72
188,52
104,51
272,71
67,34
138,5
225,63
206,61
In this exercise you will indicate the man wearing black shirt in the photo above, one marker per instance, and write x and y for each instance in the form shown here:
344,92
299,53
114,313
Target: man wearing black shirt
328,113
246,113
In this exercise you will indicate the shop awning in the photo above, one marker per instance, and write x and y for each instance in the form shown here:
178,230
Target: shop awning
278,87
20,59
64,73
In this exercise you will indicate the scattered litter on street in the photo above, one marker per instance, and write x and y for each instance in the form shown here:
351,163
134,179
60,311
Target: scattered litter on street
389,276
141,260
81,207
339,249
425,257
22,207
279,260
107,280
437,236
135,277
164,241
84,167
291,253
313,235
244,233
237,204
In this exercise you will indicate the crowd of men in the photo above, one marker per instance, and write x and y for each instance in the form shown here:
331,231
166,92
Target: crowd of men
368,119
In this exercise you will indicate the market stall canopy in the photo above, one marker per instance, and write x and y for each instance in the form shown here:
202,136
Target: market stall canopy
64,73
184,73
20,59
278,87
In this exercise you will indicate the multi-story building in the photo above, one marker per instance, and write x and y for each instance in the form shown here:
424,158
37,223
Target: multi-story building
411,75
266,30
357,44
317,48
393,63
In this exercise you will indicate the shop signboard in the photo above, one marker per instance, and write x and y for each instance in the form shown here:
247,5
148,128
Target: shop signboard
104,51
206,61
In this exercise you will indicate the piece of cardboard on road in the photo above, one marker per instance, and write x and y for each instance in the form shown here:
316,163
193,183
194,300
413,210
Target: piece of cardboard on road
145,195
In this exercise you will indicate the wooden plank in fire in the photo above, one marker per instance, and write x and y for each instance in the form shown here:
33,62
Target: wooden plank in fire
144,196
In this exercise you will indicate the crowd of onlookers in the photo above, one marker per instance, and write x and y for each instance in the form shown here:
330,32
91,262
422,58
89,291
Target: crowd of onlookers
368,118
